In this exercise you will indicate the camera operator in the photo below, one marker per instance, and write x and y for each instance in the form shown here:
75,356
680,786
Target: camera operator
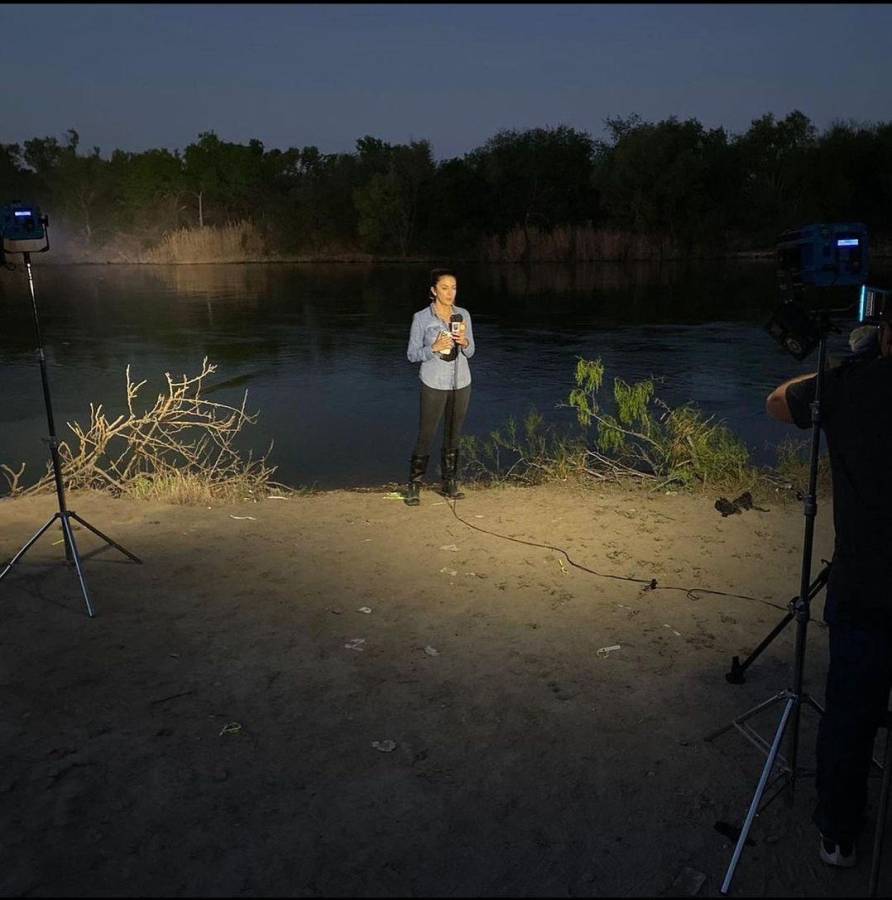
856,416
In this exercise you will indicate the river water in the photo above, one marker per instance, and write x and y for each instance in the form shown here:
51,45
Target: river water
321,350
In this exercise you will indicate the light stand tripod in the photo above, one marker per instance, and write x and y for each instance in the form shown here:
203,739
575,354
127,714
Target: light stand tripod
738,668
64,514
791,698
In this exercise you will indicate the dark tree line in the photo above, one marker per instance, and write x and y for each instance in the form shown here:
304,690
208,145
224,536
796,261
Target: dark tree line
703,190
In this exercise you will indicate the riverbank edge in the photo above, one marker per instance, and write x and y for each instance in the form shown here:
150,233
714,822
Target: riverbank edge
760,492
359,259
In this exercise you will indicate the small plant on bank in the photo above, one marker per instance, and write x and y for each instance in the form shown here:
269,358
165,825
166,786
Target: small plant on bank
534,455
794,464
180,450
647,439
644,440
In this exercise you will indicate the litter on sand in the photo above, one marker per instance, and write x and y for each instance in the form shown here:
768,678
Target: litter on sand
384,746
431,651
393,495
688,882
451,547
676,633
365,609
231,728
606,651
242,517
355,644
451,572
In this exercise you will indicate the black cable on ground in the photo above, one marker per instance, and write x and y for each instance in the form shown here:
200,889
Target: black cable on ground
651,583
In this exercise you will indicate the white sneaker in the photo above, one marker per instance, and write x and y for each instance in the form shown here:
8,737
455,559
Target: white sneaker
840,855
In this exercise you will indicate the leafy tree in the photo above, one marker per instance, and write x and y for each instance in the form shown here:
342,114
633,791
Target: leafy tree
539,177
150,188
453,210
666,178
16,183
849,176
327,208
224,177
387,204
378,205
772,158
77,184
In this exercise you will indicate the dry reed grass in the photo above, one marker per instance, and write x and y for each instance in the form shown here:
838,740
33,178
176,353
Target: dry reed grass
568,244
234,242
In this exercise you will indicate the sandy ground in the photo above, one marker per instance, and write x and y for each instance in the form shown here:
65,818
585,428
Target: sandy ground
212,730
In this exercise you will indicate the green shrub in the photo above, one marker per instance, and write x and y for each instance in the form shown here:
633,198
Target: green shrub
646,437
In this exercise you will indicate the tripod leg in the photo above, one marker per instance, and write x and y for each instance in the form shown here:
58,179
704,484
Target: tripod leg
757,797
880,828
735,676
27,546
77,564
104,537
747,715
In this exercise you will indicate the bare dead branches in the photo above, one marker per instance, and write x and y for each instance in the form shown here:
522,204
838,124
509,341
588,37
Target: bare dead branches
12,478
182,444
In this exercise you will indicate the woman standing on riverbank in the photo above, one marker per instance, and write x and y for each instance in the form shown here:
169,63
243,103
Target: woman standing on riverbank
443,347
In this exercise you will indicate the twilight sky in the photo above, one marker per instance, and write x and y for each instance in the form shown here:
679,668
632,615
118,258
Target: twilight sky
137,76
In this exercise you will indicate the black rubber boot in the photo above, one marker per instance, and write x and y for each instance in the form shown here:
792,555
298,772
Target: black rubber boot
449,473
417,468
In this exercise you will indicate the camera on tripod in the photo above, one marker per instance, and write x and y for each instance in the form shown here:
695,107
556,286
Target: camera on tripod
823,255
23,229
817,265
811,262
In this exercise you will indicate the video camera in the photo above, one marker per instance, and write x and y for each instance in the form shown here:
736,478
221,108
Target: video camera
813,260
23,229
823,256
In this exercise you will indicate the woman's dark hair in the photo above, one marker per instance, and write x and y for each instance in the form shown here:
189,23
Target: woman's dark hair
437,274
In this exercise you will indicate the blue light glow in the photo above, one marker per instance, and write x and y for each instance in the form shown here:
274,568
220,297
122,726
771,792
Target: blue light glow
22,213
847,242
862,302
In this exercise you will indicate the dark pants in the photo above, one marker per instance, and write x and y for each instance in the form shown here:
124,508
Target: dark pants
858,684
433,404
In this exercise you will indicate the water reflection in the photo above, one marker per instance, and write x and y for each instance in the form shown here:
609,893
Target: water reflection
321,348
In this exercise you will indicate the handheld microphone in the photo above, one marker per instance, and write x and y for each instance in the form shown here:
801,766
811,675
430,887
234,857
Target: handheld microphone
455,321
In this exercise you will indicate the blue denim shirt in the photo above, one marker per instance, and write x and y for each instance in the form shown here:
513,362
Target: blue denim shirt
435,371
